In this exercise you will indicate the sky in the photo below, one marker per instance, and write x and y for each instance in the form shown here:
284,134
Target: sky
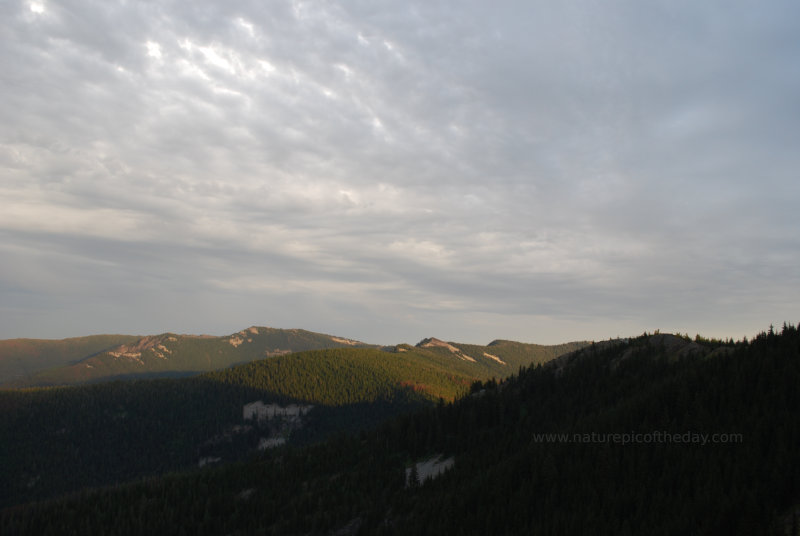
387,171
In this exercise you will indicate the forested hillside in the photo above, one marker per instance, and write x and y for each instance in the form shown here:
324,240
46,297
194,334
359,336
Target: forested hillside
346,376
652,435
65,438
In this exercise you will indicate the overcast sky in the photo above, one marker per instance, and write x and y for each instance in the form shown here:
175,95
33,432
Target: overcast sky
539,171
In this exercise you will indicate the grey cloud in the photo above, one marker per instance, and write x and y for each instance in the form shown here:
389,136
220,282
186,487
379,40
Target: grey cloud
575,167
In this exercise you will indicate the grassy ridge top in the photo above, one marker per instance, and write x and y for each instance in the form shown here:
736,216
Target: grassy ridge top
21,358
171,354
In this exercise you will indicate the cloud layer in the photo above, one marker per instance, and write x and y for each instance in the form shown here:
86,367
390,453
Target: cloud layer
389,171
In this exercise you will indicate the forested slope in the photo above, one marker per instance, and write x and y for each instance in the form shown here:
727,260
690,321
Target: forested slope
344,376
64,438
610,440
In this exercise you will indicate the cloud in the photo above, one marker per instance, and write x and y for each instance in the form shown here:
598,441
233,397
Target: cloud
548,172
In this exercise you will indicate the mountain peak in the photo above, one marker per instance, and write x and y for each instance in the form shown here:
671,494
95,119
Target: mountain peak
433,341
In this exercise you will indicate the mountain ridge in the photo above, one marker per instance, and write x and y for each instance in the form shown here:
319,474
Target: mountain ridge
22,357
170,354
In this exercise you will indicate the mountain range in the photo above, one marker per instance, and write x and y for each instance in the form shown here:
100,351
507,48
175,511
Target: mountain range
653,434
32,362
150,392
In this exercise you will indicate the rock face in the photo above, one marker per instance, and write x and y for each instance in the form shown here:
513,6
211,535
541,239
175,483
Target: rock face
262,412
283,421
272,442
430,468
134,351
494,358
434,342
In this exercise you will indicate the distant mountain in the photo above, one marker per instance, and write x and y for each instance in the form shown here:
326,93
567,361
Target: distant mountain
649,435
22,358
109,357
165,355
499,358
